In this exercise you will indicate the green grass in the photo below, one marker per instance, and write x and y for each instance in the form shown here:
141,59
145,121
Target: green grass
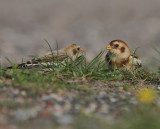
57,76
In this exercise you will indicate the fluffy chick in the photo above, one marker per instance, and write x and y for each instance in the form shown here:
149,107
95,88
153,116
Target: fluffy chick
119,56
70,52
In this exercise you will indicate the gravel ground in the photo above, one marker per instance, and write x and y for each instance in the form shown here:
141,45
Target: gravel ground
62,107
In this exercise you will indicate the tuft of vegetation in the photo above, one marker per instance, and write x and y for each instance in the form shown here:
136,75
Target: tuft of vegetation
56,75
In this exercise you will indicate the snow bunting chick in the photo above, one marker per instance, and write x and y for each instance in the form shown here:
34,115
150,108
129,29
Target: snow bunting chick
119,56
70,52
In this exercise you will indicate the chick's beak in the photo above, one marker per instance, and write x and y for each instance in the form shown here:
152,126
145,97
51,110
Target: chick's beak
82,50
109,47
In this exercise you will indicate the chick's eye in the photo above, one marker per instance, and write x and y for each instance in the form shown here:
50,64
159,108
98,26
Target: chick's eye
78,48
116,45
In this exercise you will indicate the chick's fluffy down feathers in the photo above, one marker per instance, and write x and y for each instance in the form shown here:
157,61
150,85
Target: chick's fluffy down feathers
119,56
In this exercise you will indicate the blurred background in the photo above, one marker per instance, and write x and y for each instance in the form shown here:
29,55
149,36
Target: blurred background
24,24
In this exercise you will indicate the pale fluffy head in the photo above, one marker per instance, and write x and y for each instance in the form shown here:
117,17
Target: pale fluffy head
119,49
73,51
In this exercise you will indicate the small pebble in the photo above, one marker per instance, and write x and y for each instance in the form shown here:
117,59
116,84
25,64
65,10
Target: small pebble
158,87
25,114
121,89
23,93
102,95
65,120
45,113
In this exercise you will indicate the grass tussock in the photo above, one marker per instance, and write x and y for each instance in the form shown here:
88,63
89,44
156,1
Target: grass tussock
60,72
